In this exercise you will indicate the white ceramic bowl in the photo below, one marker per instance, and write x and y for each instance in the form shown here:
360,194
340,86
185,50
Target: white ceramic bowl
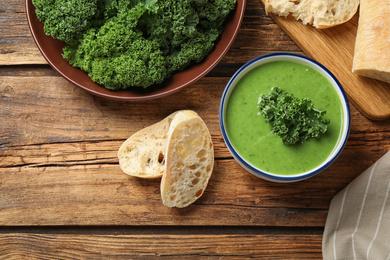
346,122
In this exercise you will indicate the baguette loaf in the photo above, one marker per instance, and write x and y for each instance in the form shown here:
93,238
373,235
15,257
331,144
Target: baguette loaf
372,47
143,153
189,160
319,13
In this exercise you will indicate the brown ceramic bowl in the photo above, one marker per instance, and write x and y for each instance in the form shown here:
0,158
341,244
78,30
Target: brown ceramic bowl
51,49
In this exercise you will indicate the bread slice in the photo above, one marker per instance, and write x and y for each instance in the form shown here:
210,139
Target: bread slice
143,153
329,13
372,46
319,13
189,160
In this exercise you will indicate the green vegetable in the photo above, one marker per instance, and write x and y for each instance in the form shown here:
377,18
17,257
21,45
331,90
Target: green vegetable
293,119
134,43
66,20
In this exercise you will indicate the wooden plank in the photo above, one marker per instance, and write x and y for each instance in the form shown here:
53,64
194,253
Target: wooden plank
334,48
66,246
58,162
100,194
16,44
50,109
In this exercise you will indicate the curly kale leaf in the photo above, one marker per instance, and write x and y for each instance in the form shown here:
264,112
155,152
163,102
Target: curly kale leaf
66,20
187,30
214,13
193,50
118,56
295,120
178,22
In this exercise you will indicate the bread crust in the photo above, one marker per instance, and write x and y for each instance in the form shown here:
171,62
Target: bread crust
321,14
372,46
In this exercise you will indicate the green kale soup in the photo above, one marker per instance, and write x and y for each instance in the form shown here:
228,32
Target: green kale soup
252,137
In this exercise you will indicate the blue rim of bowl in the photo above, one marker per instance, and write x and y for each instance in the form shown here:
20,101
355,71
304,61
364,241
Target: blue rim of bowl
262,173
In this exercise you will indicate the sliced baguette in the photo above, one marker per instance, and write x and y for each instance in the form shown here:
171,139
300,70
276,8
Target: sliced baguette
189,160
329,13
143,153
372,46
319,13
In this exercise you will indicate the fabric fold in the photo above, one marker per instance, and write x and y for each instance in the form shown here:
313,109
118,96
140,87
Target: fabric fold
358,222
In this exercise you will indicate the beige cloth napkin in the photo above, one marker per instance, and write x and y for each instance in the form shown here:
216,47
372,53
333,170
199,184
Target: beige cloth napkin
358,222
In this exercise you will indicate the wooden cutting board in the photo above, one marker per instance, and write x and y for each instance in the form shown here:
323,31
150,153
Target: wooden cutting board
334,48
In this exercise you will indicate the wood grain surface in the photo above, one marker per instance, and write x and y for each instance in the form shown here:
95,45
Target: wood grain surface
161,246
63,195
334,48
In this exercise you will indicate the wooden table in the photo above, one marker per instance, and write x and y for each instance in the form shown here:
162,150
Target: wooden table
63,195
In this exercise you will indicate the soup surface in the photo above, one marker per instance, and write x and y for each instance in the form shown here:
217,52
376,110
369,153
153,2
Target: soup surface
251,136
